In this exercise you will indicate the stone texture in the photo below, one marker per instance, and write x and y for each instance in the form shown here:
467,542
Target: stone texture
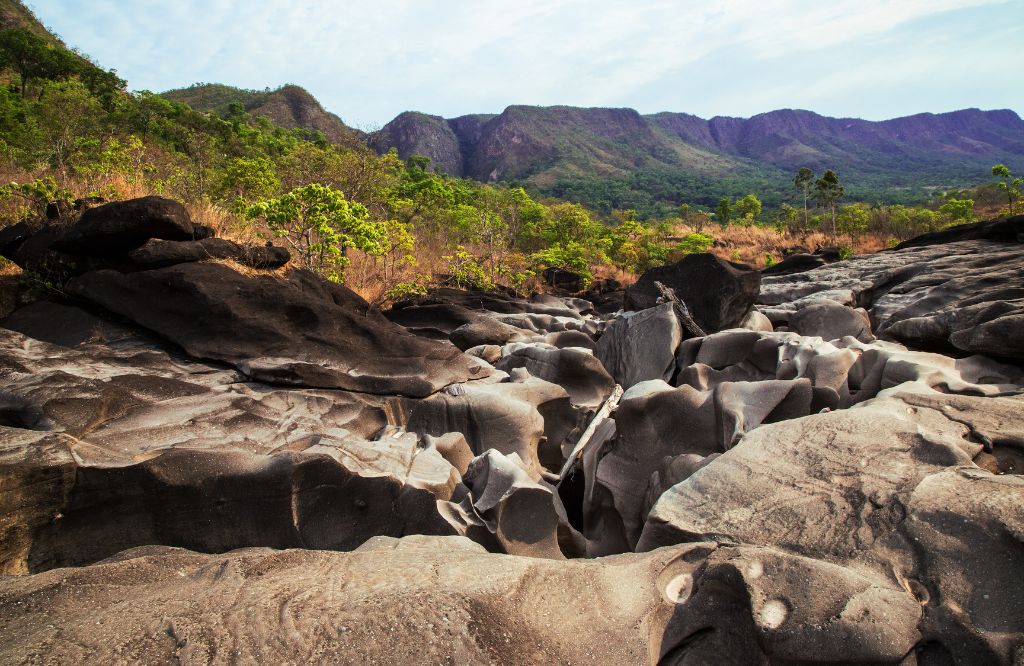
115,228
414,600
965,296
641,346
156,253
298,331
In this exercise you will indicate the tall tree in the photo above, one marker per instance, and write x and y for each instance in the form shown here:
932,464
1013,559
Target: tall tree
803,180
828,190
25,53
1008,184
723,211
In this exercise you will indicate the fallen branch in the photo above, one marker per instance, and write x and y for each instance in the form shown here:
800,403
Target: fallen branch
602,414
682,312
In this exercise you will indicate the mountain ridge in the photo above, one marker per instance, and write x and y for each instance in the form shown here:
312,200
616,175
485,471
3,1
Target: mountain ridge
289,106
614,158
617,157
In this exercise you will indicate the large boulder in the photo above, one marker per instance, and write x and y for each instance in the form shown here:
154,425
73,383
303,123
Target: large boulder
415,600
298,331
718,293
528,417
579,372
660,432
641,346
1004,230
525,514
114,229
830,320
832,485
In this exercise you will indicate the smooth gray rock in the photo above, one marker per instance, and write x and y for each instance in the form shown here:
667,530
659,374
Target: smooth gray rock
579,372
641,346
963,296
830,321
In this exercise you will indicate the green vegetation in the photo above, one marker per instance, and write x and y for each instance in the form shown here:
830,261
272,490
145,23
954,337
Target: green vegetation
1008,184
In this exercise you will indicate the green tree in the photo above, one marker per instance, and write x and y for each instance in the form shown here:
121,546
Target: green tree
245,180
804,180
694,243
723,211
70,123
787,218
572,257
1008,184
853,219
30,57
828,190
957,211
747,209
320,225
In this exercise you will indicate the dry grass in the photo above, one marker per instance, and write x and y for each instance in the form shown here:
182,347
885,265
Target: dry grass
753,245
367,275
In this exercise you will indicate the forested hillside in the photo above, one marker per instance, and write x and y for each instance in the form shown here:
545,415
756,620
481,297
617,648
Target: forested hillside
289,106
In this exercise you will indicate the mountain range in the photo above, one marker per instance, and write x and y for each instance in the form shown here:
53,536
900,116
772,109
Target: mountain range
547,145
613,158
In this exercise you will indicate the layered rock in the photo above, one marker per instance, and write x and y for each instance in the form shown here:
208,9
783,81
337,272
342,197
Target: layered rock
297,331
965,296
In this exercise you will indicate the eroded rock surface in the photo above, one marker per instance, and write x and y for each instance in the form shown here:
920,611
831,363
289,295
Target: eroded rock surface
806,494
414,600
965,296
299,330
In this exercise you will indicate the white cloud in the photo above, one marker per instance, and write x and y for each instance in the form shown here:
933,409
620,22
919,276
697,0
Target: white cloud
369,59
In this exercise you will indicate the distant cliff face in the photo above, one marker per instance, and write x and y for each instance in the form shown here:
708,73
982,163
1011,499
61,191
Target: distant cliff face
544,144
289,106
420,134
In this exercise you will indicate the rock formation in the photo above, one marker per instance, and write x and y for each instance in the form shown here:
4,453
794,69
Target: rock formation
209,455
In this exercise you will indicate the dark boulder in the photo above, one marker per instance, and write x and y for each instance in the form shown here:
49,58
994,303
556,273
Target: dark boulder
485,331
564,280
157,253
299,331
1003,230
116,228
58,210
12,237
796,263
63,325
718,293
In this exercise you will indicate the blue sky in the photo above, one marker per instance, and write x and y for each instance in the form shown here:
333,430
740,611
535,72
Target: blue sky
368,60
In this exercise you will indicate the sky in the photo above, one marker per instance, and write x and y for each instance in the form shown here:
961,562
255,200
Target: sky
369,60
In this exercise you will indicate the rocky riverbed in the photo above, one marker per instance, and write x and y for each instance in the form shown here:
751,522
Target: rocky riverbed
209,456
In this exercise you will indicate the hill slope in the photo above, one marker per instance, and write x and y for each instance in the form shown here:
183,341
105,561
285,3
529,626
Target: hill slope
289,106
13,14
